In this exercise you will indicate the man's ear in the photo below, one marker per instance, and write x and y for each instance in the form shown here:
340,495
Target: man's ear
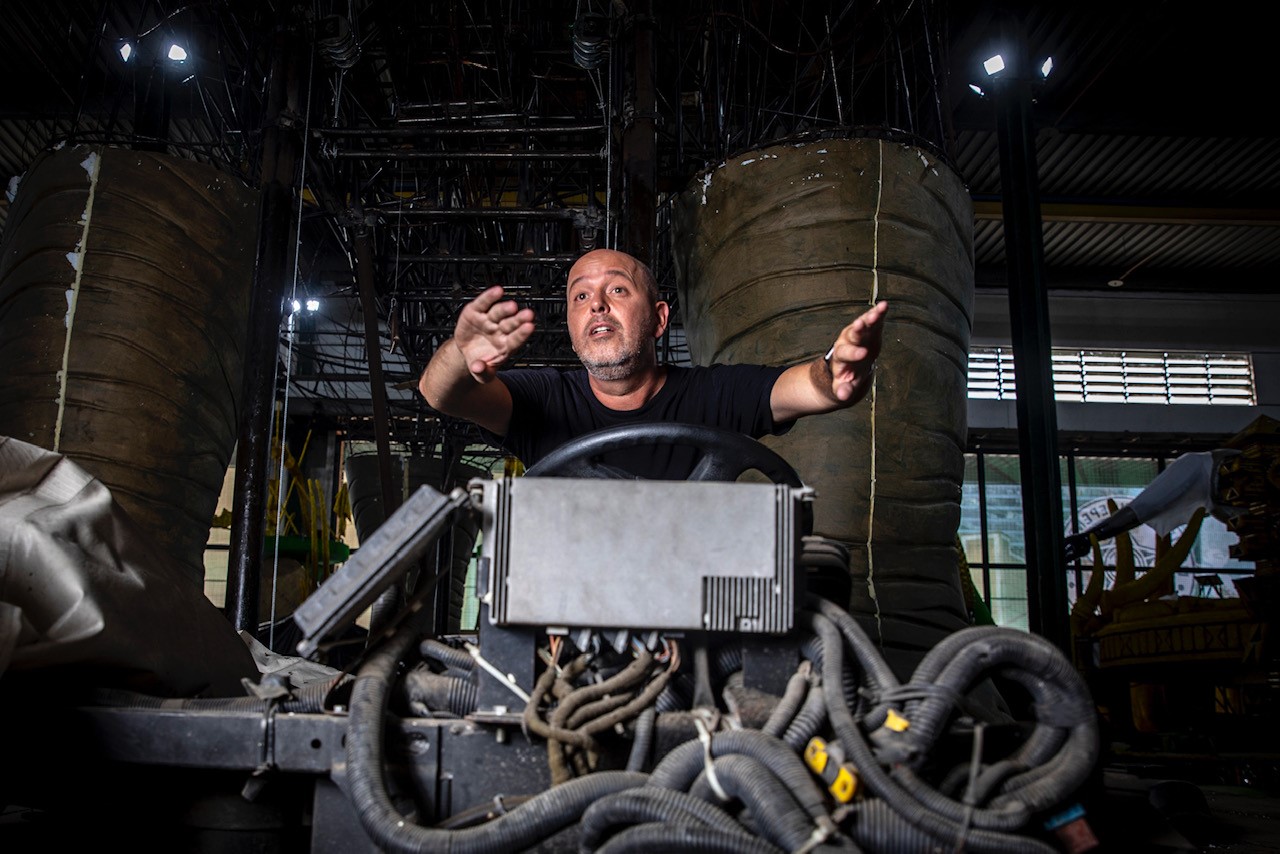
662,310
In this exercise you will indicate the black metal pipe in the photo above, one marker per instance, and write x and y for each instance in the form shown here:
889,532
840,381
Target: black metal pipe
409,106
373,353
1032,350
394,154
482,213
487,259
640,142
281,148
354,378
426,130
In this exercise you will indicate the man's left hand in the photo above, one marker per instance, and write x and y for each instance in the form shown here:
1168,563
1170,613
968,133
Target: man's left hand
854,354
837,381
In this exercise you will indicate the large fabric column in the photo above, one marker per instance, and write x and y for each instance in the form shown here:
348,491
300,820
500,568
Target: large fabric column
124,295
779,248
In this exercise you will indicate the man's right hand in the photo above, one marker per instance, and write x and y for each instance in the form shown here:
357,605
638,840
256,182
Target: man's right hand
489,331
458,380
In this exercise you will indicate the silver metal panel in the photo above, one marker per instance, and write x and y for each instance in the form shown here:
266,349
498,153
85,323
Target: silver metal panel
640,554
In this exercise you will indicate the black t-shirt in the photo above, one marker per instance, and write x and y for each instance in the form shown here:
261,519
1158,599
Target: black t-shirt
550,406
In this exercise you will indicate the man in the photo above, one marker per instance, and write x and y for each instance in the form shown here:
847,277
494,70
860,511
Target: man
615,319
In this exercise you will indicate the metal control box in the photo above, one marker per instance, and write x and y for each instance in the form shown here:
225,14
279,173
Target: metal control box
619,554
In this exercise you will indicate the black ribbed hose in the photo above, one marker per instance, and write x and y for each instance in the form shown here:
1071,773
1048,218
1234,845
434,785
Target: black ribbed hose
533,821
1059,695
812,715
647,805
776,813
794,694
683,839
681,766
876,673
642,740
451,657
440,692
964,657
878,780
877,827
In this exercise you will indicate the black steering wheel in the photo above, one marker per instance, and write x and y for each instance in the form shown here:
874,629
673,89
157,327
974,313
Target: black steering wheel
726,454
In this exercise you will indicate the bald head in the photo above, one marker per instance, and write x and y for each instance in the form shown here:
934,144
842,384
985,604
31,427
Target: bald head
611,259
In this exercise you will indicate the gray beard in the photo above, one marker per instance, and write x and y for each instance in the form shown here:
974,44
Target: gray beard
621,366
615,369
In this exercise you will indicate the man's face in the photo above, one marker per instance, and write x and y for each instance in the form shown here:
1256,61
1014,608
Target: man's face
613,320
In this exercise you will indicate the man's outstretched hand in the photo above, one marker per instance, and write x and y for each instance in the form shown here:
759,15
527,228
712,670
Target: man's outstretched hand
489,330
855,352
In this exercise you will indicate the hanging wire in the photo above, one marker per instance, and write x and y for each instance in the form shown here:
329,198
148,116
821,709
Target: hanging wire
392,326
604,99
607,105
288,362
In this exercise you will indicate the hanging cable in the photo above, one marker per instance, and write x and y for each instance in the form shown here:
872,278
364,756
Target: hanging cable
288,361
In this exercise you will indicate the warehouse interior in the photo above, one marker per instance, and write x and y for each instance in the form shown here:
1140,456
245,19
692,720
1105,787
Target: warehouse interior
234,233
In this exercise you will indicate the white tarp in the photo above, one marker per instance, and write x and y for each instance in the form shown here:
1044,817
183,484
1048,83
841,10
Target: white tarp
82,590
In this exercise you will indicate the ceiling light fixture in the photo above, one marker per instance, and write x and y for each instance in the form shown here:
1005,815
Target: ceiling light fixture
1000,72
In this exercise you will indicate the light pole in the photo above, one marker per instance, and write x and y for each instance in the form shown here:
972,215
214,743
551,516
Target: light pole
1010,85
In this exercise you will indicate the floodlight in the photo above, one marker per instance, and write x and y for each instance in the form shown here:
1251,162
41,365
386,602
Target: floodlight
994,65
313,304
296,305
977,90
177,53
126,51
1046,66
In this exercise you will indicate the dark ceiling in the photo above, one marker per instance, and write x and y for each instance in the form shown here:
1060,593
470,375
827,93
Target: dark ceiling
460,144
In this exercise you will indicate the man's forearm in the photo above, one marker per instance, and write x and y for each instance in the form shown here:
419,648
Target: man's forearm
444,376
837,380
808,389
448,386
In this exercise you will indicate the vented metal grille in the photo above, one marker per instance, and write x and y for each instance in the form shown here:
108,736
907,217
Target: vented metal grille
743,605
1123,376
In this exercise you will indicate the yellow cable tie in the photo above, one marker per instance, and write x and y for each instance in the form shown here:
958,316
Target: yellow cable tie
845,785
815,755
896,722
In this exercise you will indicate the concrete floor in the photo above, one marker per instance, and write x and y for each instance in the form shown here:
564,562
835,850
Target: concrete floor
1141,812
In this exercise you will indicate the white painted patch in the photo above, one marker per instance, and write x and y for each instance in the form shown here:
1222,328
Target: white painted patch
706,185
92,167
870,402
745,162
